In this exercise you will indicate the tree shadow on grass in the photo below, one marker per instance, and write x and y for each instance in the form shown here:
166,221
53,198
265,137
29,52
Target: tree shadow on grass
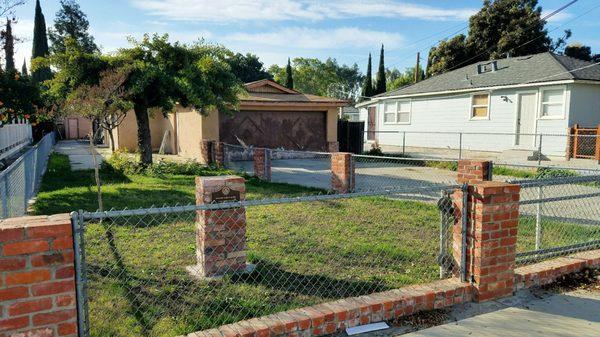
200,305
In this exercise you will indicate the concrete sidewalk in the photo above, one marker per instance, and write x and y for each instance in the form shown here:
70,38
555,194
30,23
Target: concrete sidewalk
79,153
534,313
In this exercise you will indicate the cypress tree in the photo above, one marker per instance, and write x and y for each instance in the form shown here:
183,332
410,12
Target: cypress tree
24,68
380,80
40,44
367,90
9,47
289,79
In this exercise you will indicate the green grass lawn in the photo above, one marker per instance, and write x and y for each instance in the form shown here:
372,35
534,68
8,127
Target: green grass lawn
305,252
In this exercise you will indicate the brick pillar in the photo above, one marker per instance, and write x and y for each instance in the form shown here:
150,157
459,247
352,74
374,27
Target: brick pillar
220,233
262,164
492,221
206,151
342,172
333,146
219,153
471,171
37,282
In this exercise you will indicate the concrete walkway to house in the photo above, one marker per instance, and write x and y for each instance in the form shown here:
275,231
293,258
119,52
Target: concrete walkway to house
529,313
79,153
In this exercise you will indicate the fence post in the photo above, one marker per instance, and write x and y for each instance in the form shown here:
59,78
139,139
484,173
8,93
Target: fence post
262,164
206,155
5,195
540,151
597,152
403,143
538,220
460,145
219,154
492,213
342,172
220,233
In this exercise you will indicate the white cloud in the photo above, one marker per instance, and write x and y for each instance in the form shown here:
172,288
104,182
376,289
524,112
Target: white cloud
308,38
277,10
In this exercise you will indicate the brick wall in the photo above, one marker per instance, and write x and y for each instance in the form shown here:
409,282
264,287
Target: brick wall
220,233
342,172
333,146
219,153
493,218
37,285
262,164
471,171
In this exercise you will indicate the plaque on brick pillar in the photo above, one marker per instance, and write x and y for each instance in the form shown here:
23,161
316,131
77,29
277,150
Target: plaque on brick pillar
220,232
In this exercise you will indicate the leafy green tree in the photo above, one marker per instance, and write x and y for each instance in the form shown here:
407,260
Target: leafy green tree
163,73
40,45
71,22
289,77
579,51
9,47
18,97
367,89
329,78
380,83
448,55
500,28
248,68
397,79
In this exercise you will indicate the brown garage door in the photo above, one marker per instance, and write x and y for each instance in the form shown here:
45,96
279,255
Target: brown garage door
290,130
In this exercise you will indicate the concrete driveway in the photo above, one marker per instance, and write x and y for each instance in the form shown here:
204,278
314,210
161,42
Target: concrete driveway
79,153
369,176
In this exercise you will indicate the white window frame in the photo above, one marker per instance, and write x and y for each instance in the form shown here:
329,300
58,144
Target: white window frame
562,115
489,102
396,111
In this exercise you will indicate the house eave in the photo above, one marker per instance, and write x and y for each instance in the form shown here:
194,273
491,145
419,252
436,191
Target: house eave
459,91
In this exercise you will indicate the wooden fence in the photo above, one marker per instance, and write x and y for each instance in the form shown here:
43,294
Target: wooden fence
584,142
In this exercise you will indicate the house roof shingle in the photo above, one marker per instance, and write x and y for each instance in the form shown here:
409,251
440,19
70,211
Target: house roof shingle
543,67
266,91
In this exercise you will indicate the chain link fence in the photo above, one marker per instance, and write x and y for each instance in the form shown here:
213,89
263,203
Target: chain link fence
558,216
20,181
142,271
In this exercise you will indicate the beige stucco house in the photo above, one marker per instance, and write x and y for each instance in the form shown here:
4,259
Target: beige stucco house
269,115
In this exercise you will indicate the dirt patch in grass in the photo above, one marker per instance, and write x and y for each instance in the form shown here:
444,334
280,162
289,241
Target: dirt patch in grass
587,279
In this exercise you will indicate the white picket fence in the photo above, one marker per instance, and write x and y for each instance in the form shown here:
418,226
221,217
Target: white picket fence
13,138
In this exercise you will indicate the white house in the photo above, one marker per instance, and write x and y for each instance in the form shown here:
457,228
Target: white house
498,105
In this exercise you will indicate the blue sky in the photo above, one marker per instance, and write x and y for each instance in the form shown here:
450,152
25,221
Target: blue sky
275,29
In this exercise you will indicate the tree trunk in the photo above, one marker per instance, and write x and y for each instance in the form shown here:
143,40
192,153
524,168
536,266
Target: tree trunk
144,140
112,140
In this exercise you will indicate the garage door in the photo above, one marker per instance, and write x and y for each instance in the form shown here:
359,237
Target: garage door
290,130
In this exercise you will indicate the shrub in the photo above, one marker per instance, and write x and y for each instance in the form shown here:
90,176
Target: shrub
127,163
546,172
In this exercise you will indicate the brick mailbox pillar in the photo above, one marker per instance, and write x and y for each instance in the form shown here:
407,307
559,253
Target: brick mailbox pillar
219,153
470,171
342,172
220,233
492,221
206,151
262,164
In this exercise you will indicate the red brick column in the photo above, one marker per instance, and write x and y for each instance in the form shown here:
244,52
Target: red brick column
219,153
220,233
206,151
470,171
492,221
262,164
37,284
333,146
342,172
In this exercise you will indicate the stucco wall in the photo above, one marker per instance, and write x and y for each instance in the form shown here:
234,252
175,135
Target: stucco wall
189,132
126,133
585,105
83,130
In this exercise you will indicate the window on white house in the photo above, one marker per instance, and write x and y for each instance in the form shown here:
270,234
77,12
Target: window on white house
552,102
403,112
396,112
480,106
389,113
